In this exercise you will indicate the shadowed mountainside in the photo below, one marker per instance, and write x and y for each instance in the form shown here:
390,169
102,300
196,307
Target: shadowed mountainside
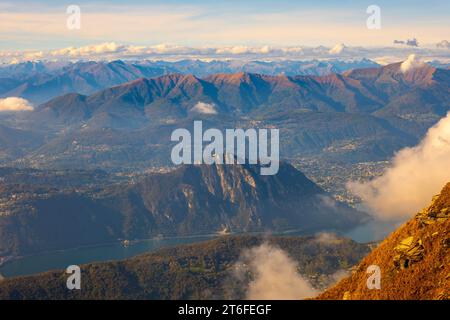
193,199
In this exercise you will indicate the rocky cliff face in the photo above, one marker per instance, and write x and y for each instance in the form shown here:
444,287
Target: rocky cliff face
193,199
203,198
414,260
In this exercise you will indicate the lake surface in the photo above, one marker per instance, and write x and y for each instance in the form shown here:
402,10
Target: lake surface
372,231
115,251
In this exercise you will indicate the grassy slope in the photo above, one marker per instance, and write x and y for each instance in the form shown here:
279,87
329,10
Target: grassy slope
425,279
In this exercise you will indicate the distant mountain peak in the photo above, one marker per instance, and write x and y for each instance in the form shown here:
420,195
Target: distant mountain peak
415,73
173,94
237,78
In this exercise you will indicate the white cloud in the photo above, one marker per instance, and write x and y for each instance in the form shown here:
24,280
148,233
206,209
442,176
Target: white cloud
275,275
411,63
265,49
15,104
338,49
338,276
416,175
204,108
240,50
34,55
326,238
292,50
233,50
443,44
87,51
113,51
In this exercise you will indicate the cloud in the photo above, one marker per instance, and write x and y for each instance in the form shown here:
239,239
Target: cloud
338,49
416,175
443,44
205,108
234,50
87,51
275,275
239,50
113,51
327,238
327,201
411,63
409,42
412,42
338,276
15,104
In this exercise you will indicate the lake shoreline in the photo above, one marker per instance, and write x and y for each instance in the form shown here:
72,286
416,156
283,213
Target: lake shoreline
122,249
10,259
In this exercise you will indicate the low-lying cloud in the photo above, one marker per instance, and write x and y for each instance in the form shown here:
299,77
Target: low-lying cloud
113,51
275,275
98,49
416,175
326,238
204,108
13,104
411,63
443,44
338,49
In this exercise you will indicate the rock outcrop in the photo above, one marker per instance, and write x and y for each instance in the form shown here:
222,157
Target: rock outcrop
414,260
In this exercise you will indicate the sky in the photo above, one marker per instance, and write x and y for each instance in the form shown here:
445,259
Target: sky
42,25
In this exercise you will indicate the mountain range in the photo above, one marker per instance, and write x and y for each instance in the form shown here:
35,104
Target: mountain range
40,81
190,200
360,115
119,117
385,91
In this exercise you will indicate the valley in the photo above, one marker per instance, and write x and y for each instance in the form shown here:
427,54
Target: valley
87,177
224,159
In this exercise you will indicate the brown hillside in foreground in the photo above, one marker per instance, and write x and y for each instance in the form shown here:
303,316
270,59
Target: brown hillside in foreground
414,260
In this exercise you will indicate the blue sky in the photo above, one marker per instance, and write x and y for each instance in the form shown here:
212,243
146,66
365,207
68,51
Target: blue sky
41,25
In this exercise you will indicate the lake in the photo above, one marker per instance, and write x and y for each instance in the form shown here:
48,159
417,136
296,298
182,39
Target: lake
372,231
115,251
